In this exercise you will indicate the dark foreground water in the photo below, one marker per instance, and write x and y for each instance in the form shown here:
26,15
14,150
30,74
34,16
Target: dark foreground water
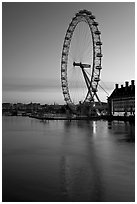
67,161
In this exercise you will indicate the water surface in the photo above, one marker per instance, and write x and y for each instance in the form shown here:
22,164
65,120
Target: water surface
68,161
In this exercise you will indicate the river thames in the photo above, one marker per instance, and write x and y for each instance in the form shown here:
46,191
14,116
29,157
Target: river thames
83,161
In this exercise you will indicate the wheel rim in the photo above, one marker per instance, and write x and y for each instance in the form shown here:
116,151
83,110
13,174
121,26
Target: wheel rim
82,45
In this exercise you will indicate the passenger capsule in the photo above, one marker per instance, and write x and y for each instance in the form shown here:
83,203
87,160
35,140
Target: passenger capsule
63,62
81,11
97,32
63,78
88,13
69,31
98,67
96,79
92,17
65,46
63,85
98,43
64,53
78,14
84,11
67,38
95,23
99,55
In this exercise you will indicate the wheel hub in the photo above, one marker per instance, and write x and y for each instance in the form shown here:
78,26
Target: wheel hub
81,65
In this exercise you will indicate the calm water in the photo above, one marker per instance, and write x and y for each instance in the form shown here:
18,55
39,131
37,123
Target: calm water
67,161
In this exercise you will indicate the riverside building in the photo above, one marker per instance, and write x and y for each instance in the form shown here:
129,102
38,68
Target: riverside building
122,100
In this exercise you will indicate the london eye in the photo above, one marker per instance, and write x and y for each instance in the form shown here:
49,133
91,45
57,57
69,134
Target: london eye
81,60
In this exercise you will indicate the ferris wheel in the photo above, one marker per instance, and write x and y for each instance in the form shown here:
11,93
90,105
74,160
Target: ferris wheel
81,59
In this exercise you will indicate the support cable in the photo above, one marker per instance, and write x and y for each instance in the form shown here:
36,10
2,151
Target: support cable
100,85
104,90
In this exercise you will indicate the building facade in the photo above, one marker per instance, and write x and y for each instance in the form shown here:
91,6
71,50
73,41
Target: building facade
122,100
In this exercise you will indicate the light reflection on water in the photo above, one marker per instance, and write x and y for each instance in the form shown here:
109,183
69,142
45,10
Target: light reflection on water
67,161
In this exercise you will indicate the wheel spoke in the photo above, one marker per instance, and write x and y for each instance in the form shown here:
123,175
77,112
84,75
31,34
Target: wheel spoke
81,59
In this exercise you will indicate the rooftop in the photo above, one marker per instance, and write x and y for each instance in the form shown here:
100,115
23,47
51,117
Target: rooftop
124,91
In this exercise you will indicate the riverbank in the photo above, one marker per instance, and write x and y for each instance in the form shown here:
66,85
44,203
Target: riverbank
103,117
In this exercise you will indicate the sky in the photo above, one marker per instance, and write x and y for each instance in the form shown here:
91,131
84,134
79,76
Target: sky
32,41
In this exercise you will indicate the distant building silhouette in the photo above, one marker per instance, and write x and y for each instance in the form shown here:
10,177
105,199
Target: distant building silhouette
122,100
